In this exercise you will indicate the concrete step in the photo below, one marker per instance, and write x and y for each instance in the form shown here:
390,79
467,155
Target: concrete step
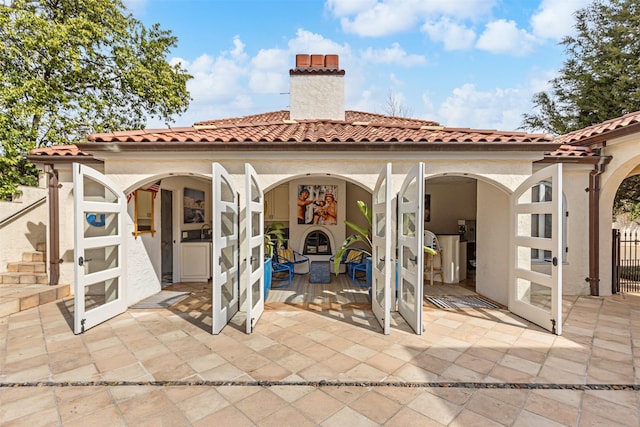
14,299
27,267
15,278
35,256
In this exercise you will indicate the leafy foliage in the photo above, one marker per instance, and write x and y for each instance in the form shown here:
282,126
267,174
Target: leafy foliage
600,78
72,67
361,236
627,198
274,232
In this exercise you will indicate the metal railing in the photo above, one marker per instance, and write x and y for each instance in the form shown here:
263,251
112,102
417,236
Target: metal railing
22,211
626,261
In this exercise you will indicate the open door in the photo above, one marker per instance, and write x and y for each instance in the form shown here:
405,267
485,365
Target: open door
224,253
535,289
382,262
410,247
255,247
100,208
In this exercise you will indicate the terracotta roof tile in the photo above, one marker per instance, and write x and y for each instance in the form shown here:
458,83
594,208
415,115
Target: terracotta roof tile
58,150
358,127
601,129
573,151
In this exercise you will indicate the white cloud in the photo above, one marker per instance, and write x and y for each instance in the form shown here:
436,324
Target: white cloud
505,37
135,6
380,18
308,42
454,36
500,108
394,55
348,7
555,19
266,72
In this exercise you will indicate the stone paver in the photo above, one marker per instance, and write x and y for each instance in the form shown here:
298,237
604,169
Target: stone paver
322,366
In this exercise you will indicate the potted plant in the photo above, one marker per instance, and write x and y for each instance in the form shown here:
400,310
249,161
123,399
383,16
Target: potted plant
364,238
361,236
273,237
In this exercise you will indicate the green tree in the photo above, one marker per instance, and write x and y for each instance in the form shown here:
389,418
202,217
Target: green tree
627,198
600,79
73,67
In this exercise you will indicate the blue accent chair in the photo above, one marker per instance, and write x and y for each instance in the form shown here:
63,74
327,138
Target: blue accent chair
282,273
291,258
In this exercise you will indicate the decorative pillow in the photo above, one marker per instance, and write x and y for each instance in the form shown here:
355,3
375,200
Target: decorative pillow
354,256
286,253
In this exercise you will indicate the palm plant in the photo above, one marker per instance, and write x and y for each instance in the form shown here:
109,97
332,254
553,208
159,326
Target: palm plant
273,238
362,235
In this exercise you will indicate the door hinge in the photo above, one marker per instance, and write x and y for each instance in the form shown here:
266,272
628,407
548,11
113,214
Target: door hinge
82,324
553,326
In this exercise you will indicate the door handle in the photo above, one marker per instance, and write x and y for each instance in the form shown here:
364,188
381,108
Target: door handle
554,261
414,259
81,261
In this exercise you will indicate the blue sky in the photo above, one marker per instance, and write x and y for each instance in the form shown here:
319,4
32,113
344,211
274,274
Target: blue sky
463,63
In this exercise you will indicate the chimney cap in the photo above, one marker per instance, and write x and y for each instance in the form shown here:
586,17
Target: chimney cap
317,61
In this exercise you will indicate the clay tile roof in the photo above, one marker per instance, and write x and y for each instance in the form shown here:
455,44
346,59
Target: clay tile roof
59,151
601,130
573,151
358,127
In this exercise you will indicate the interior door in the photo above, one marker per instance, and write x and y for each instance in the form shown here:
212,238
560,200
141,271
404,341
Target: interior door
410,243
255,247
100,208
382,262
224,253
535,291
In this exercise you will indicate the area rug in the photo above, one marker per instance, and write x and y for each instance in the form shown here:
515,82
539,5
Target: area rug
163,299
452,302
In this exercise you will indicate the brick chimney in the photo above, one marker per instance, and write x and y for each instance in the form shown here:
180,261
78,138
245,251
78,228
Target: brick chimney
316,88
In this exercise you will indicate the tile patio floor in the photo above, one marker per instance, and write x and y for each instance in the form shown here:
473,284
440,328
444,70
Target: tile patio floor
471,367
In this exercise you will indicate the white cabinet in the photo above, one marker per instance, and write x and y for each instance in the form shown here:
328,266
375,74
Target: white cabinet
277,203
195,262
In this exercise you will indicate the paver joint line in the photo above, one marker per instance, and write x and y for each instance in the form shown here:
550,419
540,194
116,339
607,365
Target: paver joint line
323,383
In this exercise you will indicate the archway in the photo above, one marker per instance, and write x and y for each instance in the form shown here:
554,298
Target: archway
469,213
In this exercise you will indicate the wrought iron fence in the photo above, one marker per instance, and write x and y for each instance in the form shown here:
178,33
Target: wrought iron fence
626,261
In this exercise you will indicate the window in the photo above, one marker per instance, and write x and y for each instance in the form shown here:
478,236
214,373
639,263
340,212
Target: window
541,224
317,243
144,212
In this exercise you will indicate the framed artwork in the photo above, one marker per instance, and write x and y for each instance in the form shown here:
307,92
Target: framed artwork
427,208
317,204
193,205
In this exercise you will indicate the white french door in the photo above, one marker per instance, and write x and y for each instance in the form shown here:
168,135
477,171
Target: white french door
255,247
99,251
535,289
382,263
224,253
410,247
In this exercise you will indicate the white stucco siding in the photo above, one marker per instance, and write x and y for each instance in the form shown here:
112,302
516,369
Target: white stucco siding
317,97
27,230
497,174
626,159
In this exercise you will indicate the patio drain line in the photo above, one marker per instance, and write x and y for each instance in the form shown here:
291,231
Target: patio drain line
318,384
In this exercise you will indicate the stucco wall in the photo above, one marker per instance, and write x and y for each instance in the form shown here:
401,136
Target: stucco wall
274,168
626,158
25,231
450,201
